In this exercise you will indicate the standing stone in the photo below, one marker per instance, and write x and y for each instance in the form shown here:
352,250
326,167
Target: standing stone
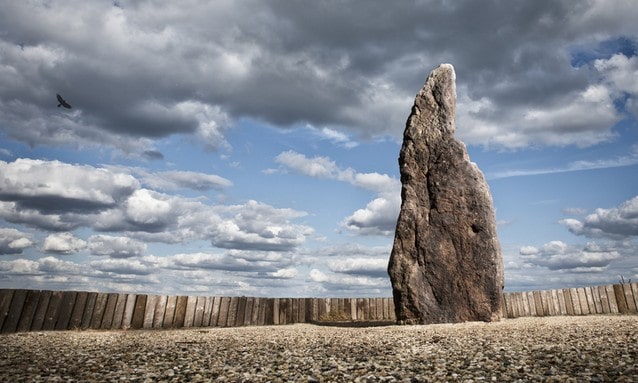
446,264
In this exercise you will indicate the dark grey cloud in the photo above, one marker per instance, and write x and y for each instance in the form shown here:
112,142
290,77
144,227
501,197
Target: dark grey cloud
14,241
617,223
557,255
37,193
53,187
364,266
140,71
115,247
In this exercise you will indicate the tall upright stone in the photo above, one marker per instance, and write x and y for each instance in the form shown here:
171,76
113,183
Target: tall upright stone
446,264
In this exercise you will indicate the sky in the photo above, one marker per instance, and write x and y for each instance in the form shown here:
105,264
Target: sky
249,148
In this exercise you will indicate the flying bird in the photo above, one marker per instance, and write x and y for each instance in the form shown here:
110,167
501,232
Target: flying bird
62,102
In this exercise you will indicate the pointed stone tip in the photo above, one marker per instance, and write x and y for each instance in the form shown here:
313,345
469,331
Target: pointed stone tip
447,68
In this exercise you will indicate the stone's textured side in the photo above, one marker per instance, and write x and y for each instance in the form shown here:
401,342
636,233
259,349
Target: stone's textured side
446,264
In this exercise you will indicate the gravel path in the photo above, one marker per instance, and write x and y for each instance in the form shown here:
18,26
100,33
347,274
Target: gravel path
553,349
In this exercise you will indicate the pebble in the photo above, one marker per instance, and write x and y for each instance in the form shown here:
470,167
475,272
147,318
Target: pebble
552,349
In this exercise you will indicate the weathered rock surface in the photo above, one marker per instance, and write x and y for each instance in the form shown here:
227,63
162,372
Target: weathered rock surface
446,264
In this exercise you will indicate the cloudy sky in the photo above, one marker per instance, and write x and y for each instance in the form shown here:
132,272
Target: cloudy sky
250,147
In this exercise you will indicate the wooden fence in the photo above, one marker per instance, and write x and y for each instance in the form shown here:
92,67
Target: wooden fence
608,299
36,310
41,310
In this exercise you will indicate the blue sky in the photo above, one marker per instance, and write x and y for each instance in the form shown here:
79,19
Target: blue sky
250,148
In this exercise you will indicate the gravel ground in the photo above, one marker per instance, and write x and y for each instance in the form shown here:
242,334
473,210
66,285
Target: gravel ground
552,349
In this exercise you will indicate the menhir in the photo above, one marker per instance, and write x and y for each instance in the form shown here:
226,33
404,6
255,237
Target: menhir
446,264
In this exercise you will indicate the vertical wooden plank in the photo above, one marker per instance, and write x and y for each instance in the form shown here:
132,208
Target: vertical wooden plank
269,314
604,301
180,311
575,301
316,309
293,307
160,311
634,290
355,311
149,311
524,304
360,309
191,305
208,309
341,307
169,313
275,311
555,306
386,312
320,308
248,316
562,309
200,304
232,311
590,300
531,305
15,310
295,310
283,311
548,303
365,308
372,304
91,299
291,310
256,310
509,304
66,309
629,298
260,309
78,310
118,314
129,311
514,299
619,293
353,308
137,322
215,312
374,309
569,305
98,310
52,311
596,297
40,312
538,304
109,312
241,312
302,310
308,310
28,311
513,302
5,303
582,299
611,296
224,305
